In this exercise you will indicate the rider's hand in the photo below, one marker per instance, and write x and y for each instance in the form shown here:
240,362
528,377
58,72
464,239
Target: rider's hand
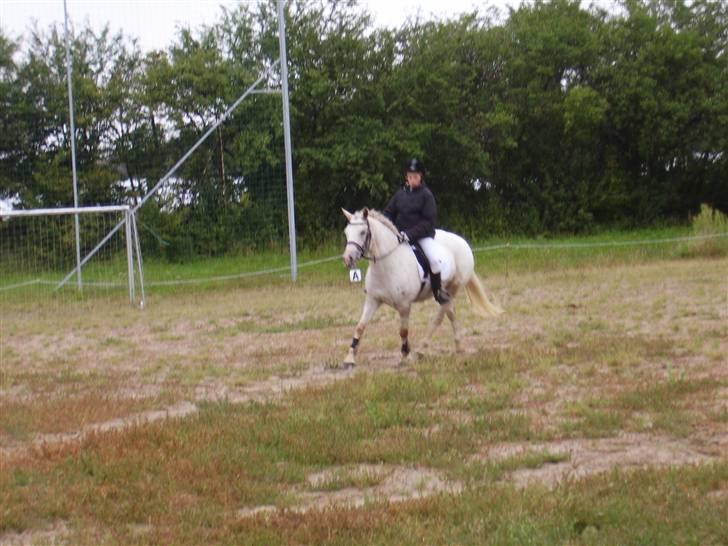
402,237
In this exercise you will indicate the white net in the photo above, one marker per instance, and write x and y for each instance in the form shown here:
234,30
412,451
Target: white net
38,259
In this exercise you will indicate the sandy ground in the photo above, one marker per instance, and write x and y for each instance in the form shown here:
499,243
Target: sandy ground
257,345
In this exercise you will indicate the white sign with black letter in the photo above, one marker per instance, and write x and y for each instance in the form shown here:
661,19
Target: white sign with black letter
355,275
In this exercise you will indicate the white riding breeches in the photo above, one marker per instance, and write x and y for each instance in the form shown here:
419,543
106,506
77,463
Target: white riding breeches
435,253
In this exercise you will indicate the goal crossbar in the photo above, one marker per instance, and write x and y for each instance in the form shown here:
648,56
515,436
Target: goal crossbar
62,211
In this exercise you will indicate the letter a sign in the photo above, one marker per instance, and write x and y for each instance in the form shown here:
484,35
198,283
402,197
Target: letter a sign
355,275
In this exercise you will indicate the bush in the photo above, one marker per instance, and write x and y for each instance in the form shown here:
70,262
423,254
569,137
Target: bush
713,226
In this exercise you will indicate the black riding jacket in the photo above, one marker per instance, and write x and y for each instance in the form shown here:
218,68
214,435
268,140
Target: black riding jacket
413,211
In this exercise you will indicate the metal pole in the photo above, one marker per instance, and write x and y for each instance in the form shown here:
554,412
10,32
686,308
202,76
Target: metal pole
135,233
129,255
73,147
287,139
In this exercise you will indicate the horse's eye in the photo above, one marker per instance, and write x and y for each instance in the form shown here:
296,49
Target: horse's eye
363,232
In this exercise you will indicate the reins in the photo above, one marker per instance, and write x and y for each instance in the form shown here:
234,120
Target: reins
367,243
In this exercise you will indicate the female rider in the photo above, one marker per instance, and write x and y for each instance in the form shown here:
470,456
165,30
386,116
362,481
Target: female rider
414,211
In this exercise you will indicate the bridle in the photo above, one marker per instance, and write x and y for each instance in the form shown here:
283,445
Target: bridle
367,242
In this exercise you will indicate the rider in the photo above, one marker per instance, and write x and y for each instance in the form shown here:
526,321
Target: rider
414,212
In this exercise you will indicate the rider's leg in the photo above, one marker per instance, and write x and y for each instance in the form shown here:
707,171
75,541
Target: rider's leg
432,251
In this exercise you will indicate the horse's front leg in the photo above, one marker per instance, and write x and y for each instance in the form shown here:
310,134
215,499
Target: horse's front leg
370,307
404,314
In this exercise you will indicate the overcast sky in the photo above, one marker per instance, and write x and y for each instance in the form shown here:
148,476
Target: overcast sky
154,21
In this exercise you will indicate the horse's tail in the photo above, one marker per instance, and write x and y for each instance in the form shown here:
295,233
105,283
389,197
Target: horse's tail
481,304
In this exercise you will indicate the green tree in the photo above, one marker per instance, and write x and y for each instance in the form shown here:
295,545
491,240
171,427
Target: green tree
665,85
546,172
436,95
11,142
222,192
42,118
134,139
341,118
555,118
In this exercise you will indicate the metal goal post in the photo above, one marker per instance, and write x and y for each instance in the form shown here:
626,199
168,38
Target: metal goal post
30,253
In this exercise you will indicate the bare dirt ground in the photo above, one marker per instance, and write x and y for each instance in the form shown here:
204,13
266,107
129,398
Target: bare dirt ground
259,344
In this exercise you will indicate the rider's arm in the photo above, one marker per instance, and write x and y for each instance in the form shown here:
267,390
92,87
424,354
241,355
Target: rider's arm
390,211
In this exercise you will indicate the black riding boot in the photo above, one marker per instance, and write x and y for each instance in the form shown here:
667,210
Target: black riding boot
441,295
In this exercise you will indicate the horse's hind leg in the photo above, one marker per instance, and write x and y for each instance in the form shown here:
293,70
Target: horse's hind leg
370,307
435,324
449,310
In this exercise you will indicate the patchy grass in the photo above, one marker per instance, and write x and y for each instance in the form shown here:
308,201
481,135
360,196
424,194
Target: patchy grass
227,457
596,511
22,419
360,477
661,406
583,355
263,325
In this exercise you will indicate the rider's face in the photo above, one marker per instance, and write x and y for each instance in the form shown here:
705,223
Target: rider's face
414,179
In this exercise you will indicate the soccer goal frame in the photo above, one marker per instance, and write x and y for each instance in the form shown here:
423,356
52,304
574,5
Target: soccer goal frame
131,240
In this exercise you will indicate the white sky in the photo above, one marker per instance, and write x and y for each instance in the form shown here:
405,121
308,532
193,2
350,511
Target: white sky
154,22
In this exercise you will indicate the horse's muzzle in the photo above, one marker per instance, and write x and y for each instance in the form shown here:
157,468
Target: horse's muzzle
352,253
349,260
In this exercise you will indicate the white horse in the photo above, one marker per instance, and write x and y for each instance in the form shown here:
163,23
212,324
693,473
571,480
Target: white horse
393,277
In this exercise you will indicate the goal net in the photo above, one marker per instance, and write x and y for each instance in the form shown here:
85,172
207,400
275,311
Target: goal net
39,256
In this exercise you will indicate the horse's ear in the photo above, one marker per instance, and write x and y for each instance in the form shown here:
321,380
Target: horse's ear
348,215
365,211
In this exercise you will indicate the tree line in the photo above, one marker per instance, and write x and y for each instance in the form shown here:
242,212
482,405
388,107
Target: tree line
550,118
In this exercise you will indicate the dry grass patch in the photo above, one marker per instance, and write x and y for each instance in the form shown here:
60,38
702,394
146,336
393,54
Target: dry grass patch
589,368
553,462
54,414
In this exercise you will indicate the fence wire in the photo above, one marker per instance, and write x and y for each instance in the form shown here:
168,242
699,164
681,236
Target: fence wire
505,246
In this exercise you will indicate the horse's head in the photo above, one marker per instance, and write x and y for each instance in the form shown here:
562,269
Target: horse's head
358,236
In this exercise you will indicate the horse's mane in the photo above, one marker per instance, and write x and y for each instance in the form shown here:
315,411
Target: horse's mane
380,217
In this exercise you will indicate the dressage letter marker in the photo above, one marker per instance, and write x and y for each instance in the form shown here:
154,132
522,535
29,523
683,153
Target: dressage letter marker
355,275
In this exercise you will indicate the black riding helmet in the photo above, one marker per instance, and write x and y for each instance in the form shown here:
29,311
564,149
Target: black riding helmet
414,165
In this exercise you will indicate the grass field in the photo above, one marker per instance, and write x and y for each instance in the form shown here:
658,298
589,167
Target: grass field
595,411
